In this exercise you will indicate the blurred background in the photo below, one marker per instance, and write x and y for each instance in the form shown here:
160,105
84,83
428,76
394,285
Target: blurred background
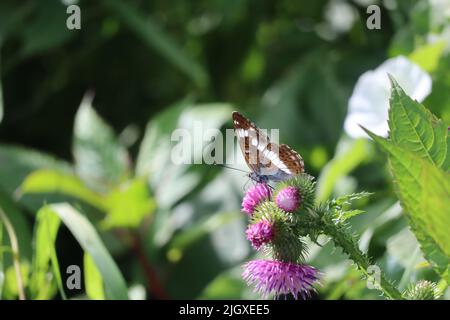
87,117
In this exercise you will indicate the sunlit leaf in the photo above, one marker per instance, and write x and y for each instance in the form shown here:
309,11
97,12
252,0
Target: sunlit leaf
416,129
93,281
427,56
41,286
18,162
46,180
435,205
408,171
128,204
10,289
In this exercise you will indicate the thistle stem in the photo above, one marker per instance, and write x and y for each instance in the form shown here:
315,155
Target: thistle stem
343,240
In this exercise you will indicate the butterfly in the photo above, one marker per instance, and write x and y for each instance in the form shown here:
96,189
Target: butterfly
267,160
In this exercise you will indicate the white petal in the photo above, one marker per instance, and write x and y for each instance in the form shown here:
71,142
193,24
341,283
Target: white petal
368,106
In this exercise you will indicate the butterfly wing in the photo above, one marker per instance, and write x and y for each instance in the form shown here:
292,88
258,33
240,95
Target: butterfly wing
277,162
251,140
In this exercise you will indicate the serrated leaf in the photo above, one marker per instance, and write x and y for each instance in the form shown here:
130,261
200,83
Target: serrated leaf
100,161
408,171
348,214
416,129
435,205
349,198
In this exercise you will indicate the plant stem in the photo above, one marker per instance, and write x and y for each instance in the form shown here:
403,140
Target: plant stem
15,252
154,284
342,239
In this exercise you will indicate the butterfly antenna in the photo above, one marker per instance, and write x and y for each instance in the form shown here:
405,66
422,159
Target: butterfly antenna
225,166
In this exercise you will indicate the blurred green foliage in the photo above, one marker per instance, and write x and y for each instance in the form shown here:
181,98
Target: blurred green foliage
87,117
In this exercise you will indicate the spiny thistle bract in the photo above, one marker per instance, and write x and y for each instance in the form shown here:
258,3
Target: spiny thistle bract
422,290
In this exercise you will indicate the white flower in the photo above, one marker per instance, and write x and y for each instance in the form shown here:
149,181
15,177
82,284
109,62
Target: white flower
368,106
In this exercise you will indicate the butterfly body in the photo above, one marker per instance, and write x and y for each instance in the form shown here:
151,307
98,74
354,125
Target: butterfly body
267,160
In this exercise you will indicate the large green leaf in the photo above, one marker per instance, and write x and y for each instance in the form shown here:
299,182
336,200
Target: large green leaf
46,180
416,129
435,205
89,240
409,172
99,159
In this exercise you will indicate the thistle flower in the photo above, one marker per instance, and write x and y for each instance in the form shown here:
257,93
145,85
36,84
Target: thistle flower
288,199
280,277
254,196
259,234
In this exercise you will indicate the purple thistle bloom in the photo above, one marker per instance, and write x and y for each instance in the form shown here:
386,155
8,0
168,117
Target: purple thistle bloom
279,277
254,196
288,199
259,234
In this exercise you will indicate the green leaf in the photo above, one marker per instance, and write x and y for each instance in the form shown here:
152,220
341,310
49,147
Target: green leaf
10,289
45,180
408,172
416,129
349,198
41,285
99,159
128,204
93,281
17,163
435,205
428,56
89,240
156,38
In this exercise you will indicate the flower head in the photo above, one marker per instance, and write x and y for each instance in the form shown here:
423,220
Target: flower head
368,106
280,277
260,233
288,199
254,196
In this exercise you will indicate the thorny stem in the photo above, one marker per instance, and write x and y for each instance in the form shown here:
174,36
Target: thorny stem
15,252
363,262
